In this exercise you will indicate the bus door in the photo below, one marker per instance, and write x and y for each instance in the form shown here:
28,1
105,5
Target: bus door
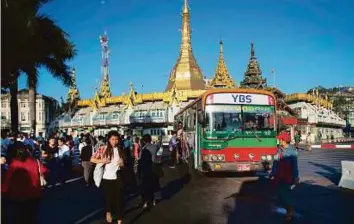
197,150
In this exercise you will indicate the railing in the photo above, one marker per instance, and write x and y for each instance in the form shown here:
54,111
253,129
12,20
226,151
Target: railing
99,121
65,123
147,119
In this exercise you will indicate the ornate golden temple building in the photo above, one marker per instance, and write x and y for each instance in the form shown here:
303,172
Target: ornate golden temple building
153,113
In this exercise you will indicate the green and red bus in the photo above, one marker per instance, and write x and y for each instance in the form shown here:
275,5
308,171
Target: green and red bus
230,130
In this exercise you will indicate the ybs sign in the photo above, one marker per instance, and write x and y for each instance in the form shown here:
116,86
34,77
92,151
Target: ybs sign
239,98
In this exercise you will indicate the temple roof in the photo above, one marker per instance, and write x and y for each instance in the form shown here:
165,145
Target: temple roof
186,74
222,78
253,75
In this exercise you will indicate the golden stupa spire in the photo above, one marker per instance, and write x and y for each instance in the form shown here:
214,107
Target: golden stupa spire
253,75
222,78
105,90
186,74
73,93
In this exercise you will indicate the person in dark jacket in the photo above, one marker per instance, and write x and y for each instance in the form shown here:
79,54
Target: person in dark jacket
148,179
50,153
85,156
285,173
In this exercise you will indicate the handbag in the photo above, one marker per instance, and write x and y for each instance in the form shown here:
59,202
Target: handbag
43,182
98,174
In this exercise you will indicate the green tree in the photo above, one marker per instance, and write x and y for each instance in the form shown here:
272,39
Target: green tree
41,43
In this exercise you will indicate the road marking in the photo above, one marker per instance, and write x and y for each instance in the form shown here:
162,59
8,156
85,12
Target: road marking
88,216
343,146
68,181
74,179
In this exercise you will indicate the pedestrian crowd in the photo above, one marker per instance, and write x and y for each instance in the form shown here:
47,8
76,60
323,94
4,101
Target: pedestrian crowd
30,164
117,163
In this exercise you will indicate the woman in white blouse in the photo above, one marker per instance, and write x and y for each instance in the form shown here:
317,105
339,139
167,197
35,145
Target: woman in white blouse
113,157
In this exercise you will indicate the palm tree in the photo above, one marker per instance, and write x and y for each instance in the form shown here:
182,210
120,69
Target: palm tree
38,42
52,51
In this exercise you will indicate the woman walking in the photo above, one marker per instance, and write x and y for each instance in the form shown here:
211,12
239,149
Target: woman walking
22,186
113,157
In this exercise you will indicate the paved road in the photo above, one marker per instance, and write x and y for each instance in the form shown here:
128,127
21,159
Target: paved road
218,198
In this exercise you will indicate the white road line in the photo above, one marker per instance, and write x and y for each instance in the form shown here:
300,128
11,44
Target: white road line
316,146
85,218
74,179
68,181
343,146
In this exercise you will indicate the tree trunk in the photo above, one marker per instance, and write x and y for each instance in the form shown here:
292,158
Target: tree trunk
14,106
32,106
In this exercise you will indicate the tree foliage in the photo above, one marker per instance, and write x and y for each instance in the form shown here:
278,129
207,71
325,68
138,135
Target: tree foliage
31,39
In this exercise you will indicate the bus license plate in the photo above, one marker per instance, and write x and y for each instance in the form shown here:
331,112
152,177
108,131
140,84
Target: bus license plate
243,167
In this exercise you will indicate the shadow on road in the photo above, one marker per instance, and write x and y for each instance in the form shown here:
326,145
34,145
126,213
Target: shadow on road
174,187
256,202
331,173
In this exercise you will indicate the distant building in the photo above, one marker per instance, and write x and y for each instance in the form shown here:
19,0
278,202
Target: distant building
316,118
47,109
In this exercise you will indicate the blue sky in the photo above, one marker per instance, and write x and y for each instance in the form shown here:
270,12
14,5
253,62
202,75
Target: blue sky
307,42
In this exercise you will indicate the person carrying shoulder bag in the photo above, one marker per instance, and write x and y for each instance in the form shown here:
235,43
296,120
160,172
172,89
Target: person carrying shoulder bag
111,159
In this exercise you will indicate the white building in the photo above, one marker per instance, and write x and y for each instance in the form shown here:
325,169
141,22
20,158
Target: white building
320,122
47,109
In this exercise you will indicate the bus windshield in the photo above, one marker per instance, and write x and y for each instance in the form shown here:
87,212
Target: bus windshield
232,121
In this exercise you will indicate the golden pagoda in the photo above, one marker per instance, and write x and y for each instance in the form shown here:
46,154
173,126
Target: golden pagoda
186,74
73,93
222,78
253,75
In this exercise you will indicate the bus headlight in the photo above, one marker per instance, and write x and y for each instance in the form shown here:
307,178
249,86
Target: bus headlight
269,157
214,158
221,157
206,158
236,156
263,157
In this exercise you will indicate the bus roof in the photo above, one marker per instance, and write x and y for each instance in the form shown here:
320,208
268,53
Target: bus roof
236,90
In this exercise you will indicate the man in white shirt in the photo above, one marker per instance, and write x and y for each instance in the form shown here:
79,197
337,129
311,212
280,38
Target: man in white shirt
64,159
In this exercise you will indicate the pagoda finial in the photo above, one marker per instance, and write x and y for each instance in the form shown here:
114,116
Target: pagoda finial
105,90
222,78
73,77
73,93
253,55
186,73
185,7
221,47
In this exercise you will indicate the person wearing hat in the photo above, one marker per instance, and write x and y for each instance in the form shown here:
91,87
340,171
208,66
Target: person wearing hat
285,172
